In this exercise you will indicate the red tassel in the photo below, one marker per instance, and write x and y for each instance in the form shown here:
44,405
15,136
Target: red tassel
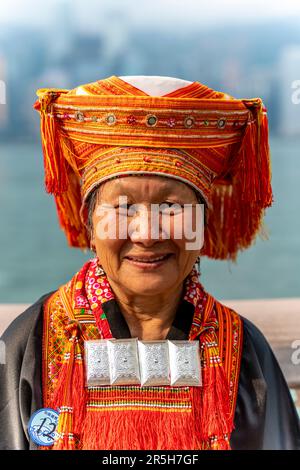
255,170
144,429
215,416
54,162
238,200
139,430
70,393
61,174
266,187
68,209
236,229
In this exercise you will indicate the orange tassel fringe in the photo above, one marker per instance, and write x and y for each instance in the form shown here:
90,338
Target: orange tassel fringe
237,205
70,393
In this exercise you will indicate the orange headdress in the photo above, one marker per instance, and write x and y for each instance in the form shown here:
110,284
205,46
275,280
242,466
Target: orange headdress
207,139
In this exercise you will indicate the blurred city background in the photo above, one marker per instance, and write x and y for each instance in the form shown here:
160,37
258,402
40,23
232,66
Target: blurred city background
247,49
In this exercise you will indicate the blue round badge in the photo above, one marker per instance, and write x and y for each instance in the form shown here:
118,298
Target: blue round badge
42,425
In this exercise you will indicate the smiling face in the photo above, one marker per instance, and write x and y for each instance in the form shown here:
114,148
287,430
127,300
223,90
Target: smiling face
141,263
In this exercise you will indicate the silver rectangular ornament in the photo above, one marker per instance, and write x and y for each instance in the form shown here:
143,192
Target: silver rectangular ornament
185,364
123,361
96,362
154,362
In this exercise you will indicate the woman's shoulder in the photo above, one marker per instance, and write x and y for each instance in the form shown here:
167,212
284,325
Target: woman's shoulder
254,335
251,333
257,352
20,328
255,347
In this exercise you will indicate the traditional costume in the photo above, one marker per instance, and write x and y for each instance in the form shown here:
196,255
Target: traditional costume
219,146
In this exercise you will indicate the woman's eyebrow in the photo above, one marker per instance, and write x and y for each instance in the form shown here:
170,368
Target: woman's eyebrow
160,191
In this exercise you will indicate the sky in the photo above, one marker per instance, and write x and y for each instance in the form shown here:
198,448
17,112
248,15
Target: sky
190,12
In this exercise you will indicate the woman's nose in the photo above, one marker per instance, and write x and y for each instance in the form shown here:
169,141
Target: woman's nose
145,227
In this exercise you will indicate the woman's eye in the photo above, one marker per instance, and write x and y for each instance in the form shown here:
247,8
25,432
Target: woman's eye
166,207
123,207
171,208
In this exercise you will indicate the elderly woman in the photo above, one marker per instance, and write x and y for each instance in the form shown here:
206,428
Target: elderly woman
115,151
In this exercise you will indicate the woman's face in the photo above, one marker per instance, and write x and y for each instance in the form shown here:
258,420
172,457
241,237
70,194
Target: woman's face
131,261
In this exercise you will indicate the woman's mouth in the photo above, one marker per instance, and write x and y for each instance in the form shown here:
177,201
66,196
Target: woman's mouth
148,263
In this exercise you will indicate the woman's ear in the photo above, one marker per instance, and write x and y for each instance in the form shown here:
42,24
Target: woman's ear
92,242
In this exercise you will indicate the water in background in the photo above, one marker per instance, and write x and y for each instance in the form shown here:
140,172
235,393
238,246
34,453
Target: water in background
35,257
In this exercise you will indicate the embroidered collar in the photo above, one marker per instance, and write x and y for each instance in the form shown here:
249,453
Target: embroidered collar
94,294
180,327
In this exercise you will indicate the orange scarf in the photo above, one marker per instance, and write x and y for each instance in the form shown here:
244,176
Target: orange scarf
134,417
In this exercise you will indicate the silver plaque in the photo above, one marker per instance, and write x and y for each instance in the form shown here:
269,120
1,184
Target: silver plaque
123,361
185,365
96,362
154,362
